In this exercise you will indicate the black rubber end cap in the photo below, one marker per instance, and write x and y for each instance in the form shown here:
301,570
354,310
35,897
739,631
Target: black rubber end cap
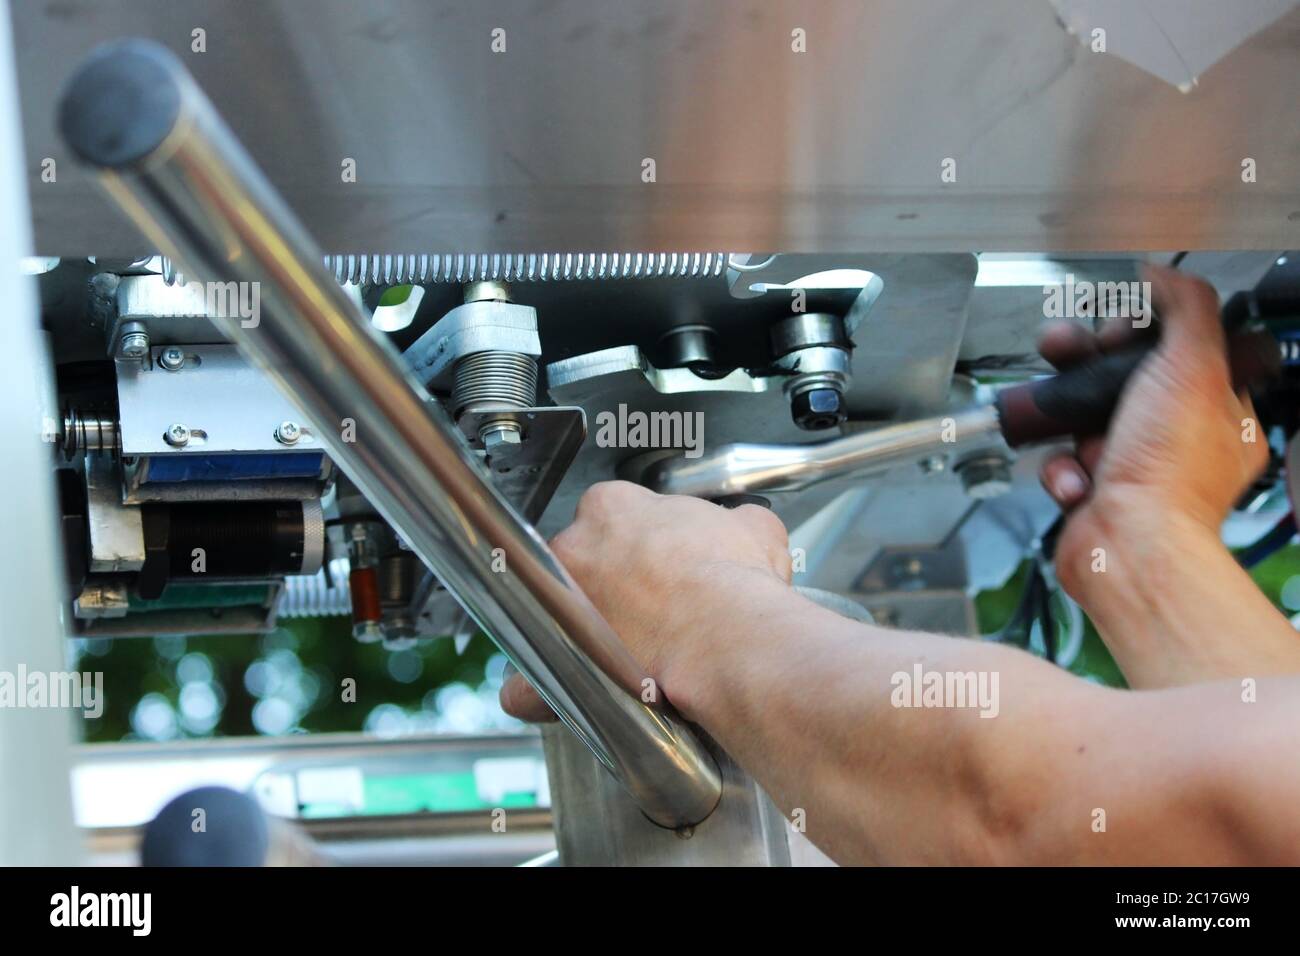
231,830
121,104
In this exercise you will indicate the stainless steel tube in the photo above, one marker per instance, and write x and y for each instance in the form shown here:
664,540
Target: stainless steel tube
749,468
173,166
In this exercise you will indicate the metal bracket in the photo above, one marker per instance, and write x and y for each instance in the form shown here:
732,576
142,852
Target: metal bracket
483,326
528,473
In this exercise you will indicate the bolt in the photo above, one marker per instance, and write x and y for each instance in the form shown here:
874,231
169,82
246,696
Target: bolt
985,477
818,408
288,433
487,291
934,464
500,437
399,634
134,343
172,359
178,436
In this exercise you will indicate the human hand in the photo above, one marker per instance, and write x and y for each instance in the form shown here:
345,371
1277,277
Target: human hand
649,563
1182,447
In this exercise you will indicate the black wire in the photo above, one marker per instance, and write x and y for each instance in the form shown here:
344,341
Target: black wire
1046,621
1015,624
1035,600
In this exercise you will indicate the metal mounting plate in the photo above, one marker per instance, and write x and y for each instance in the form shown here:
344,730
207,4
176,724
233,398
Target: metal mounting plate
530,472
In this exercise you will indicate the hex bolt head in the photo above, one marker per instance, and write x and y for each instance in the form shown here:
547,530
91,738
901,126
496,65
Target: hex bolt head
288,433
172,358
134,345
501,437
818,408
177,435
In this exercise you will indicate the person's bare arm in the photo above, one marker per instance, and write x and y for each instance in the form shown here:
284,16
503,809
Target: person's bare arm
1066,772
806,701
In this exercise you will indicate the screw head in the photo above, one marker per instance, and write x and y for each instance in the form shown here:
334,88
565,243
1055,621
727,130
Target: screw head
818,408
172,358
134,345
177,435
288,433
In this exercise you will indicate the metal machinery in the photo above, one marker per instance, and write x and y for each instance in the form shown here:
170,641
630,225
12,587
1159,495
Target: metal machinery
332,403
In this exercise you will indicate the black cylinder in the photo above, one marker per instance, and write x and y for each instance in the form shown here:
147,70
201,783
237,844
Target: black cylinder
234,539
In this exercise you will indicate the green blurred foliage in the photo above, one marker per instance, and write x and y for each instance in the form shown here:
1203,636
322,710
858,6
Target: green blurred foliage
993,609
327,654
326,650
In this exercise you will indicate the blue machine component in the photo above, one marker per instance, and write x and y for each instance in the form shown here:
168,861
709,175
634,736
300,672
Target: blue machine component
233,467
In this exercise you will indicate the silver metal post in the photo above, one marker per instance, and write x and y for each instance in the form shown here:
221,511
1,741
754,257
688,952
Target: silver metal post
181,175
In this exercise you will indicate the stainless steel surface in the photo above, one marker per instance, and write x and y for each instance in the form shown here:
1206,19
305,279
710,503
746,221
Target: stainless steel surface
204,203
228,404
596,825
751,468
756,146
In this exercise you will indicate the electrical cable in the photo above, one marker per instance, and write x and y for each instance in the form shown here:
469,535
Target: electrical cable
1273,540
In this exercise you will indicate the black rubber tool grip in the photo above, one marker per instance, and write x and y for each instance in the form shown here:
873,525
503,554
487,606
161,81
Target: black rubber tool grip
1081,400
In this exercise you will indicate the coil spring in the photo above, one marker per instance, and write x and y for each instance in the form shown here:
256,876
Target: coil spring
496,378
311,595
87,433
544,267
424,269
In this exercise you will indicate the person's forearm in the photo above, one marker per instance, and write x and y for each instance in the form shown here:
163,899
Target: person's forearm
823,711
1169,600
814,706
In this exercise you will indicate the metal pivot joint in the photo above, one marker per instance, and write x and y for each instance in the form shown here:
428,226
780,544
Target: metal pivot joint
813,349
174,167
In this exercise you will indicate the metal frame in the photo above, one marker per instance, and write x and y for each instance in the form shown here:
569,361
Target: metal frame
200,197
